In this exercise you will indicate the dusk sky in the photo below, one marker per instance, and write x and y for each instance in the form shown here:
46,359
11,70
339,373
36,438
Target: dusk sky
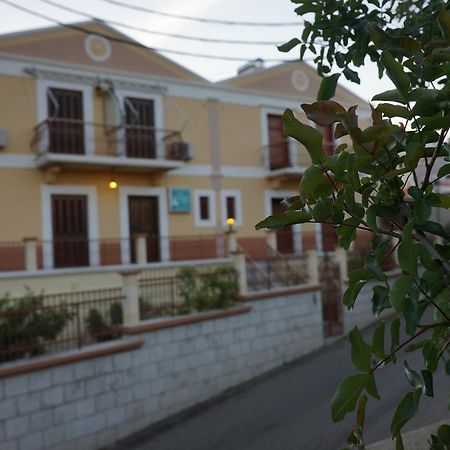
237,10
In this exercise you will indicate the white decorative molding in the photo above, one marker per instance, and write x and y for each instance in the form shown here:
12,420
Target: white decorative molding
97,48
47,228
88,108
18,64
300,80
210,194
158,116
163,221
236,194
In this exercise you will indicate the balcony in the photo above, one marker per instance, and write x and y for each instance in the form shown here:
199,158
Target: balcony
77,144
285,159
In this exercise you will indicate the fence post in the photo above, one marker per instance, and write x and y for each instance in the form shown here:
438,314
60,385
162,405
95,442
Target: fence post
313,266
140,242
341,258
130,301
232,246
241,268
271,239
31,262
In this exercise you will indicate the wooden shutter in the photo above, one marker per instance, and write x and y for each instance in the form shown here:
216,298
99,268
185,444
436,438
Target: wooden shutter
285,235
70,230
231,207
278,144
66,127
204,208
140,134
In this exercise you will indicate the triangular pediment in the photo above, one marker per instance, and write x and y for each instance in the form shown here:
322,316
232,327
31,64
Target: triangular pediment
71,46
294,80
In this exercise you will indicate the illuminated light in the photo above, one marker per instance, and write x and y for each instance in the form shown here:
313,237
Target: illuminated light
113,184
230,221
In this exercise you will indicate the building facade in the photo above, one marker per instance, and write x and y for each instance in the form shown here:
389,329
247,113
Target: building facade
102,142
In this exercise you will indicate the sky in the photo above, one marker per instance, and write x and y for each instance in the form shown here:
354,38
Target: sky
241,10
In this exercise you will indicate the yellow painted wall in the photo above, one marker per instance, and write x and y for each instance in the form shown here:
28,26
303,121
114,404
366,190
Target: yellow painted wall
20,204
192,116
18,112
240,135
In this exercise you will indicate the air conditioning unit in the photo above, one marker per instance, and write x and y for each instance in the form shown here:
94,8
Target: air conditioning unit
181,151
3,138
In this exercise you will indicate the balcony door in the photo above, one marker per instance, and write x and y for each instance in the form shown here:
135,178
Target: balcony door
278,144
70,230
144,219
285,236
140,135
65,121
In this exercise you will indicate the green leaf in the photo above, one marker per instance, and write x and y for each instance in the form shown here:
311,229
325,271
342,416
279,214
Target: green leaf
428,382
324,113
422,210
395,334
351,75
328,87
284,219
393,95
444,23
414,379
444,170
411,315
371,387
347,395
444,434
434,228
361,411
308,136
322,210
390,110
360,351
288,46
396,73
430,353
444,201
372,266
347,232
351,293
407,253
378,340
314,184
380,299
398,292
406,410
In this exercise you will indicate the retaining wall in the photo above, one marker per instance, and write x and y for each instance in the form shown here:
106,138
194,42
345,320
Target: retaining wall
90,403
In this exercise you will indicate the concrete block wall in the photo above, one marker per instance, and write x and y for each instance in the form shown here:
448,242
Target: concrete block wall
92,403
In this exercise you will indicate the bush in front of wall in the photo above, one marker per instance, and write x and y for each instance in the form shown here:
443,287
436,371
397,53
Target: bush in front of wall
102,329
204,291
26,325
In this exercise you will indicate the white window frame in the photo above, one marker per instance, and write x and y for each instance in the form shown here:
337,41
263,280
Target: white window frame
159,120
236,194
264,120
88,110
271,194
211,222
163,221
47,227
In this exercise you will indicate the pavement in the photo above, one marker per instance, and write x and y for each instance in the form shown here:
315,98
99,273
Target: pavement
289,409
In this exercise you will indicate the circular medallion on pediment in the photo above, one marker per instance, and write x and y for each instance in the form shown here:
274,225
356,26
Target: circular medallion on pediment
97,48
300,80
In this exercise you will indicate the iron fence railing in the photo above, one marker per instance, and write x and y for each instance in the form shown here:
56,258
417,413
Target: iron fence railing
36,324
75,136
276,271
165,293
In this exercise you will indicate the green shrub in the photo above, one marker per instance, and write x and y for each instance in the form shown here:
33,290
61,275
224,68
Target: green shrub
212,290
26,325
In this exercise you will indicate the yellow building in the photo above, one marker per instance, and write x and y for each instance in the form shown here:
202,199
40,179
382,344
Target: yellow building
101,142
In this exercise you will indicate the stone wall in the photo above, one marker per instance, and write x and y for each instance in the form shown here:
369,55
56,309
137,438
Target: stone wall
92,403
